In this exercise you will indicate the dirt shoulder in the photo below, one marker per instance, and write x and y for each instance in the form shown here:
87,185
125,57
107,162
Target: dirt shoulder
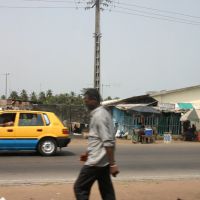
134,190
80,140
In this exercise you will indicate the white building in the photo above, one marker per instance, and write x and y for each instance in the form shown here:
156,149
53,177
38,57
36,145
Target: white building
183,98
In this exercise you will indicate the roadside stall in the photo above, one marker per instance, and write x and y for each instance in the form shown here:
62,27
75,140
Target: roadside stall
191,116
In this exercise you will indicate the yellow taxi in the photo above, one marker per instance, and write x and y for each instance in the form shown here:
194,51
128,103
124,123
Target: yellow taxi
32,130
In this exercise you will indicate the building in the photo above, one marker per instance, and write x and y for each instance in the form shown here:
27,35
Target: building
15,104
183,98
170,103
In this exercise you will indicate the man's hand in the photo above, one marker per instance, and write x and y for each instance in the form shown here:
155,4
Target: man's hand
114,170
83,157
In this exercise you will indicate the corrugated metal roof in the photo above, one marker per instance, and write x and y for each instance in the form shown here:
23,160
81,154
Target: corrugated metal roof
128,106
108,102
154,94
142,99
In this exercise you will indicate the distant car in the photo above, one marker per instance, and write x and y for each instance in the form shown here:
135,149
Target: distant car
32,130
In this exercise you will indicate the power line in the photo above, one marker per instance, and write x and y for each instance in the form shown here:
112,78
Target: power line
155,9
54,1
132,11
40,7
160,15
152,17
76,3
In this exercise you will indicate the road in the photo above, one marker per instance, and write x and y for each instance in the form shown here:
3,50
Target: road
136,162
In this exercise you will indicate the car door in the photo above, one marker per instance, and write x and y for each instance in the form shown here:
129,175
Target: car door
31,127
7,131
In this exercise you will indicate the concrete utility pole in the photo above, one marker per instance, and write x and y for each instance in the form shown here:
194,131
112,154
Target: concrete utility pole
6,90
97,35
6,85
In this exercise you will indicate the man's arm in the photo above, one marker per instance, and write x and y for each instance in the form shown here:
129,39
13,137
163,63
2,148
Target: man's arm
106,133
84,157
113,166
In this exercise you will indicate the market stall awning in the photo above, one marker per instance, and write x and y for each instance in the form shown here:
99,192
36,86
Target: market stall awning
192,115
185,106
145,109
128,106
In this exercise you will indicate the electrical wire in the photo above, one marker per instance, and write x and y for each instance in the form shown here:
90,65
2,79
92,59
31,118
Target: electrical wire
160,15
155,9
40,7
152,17
134,12
58,1
76,3
52,1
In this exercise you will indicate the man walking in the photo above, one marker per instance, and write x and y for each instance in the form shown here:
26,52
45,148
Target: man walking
99,157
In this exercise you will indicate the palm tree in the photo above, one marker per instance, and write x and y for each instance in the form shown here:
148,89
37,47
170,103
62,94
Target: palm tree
14,95
49,96
3,97
42,97
33,97
24,95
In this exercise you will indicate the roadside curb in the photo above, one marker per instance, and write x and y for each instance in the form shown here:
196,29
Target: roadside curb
71,181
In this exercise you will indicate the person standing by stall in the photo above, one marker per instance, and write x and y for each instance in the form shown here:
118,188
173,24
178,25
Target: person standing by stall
193,130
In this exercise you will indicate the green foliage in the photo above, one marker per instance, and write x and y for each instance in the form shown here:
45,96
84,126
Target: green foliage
14,95
3,97
42,97
33,97
49,98
24,95
108,98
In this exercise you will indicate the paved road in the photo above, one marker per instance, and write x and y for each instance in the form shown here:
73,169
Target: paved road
136,161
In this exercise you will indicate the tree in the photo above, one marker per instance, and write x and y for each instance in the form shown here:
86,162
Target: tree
14,95
42,97
72,94
33,97
3,97
24,95
62,99
49,94
80,99
49,97
108,98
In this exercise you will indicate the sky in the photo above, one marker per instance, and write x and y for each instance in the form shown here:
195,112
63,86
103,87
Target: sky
146,45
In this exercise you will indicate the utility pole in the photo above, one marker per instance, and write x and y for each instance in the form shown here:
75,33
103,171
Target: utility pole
6,90
97,35
6,85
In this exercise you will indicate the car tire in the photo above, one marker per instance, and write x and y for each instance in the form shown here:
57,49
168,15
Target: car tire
47,147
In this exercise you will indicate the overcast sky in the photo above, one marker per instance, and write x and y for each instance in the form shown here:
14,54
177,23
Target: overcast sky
148,45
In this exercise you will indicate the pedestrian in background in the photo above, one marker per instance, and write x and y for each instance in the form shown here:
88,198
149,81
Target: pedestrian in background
99,158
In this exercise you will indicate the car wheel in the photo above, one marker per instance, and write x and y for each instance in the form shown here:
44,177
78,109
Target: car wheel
47,147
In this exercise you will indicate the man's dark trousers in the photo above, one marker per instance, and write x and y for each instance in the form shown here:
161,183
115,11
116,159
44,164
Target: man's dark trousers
88,175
